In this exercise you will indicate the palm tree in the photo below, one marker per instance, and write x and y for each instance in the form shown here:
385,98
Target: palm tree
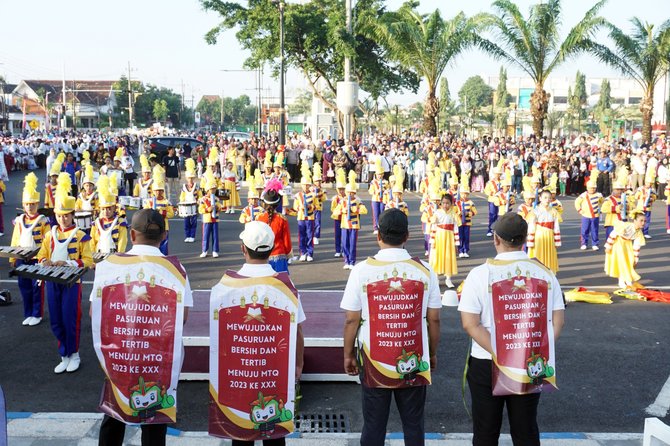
426,44
643,55
533,44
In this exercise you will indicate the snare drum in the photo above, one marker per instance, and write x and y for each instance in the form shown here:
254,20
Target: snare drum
124,200
187,209
83,220
135,203
223,194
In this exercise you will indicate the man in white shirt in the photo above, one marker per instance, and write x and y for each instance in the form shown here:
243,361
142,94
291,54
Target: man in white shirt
147,232
395,343
477,310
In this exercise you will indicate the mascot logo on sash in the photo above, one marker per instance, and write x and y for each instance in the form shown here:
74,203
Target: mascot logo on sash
409,364
146,398
538,369
266,411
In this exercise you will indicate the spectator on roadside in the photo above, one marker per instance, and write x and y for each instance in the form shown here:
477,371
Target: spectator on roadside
170,163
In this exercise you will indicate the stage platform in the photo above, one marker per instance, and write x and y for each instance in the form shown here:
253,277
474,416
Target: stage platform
322,331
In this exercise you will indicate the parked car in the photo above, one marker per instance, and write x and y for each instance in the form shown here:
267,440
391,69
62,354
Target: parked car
239,136
159,144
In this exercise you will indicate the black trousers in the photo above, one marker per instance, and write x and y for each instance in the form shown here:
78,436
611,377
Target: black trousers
603,183
376,406
275,442
487,410
113,430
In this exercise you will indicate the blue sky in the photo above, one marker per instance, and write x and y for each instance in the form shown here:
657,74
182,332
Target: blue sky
163,40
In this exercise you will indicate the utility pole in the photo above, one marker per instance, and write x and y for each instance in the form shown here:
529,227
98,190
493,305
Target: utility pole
130,99
181,113
347,74
63,123
221,129
282,105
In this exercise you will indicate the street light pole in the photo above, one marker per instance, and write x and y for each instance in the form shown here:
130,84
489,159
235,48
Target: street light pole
282,105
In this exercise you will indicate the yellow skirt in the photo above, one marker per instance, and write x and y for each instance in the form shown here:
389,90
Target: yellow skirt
620,261
443,255
545,249
234,194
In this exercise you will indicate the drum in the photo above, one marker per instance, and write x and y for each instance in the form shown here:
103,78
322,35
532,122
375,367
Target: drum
83,220
124,200
223,194
187,209
135,203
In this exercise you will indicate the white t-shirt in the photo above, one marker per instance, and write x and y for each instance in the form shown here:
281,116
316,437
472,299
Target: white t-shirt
265,270
475,298
353,299
146,250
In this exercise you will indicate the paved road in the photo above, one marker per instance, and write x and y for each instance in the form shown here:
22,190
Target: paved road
612,359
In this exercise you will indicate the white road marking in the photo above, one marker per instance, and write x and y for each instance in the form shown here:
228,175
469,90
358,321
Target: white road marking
662,403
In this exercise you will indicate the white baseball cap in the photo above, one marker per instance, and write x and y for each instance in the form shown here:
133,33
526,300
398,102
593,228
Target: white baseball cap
258,236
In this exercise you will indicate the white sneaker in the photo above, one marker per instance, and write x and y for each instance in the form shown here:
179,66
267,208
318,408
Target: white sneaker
583,247
465,254
647,236
489,234
316,241
668,231
622,284
302,258
186,240
426,253
215,254
460,255
337,254
73,365
346,266
34,321
27,321
595,248
64,362
203,255
375,231
1,234
310,259
448,282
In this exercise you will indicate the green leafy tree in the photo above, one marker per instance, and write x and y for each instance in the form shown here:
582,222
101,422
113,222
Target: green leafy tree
475,94
534,44
426,44
302,105
160,110
315,43
554,119
605,99
643,55
447,106
502,100
577,99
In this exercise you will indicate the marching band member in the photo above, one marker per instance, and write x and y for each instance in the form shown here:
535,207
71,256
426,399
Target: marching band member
283,249
454,186
268,174
87,201
350,210
588,205
190,193
622,249
282,175
229,180
444,239
428,210
396,201
29,231
376,189
50,192
337,200
321,197
555,203
304,207
467,210
616,207
209,207
109,233
160,203
504,200
143,186
491,190
526,207
644,198
65,245
544,233
253,209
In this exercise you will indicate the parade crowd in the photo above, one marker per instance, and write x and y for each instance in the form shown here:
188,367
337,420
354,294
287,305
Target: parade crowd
94,180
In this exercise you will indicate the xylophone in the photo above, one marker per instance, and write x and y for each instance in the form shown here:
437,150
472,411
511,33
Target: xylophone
100,256
18,252
66,275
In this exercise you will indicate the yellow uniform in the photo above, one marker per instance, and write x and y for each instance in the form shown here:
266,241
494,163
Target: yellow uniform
163,206
36,225
504,201
491,189
588,205
444,240
622,252
143,188
250,213
79,247
108,236
377,188
394,203
350,210
544,236
87,203
209,207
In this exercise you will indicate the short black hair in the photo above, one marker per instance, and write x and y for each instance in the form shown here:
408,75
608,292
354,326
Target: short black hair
258,255
393,227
